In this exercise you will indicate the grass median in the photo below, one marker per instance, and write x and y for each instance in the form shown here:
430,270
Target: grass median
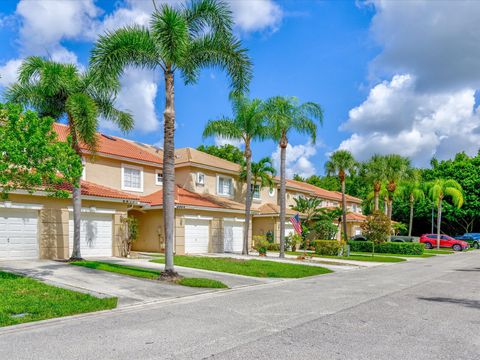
23,299
356,257
144,273
255,268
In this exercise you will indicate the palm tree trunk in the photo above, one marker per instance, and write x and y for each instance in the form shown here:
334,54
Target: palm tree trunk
376,195
248,198
344,211
390,208
283,153
169,172
410,224
76,197
439,222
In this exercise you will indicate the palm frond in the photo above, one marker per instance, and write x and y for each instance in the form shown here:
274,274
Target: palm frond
205,15
224,127
84,118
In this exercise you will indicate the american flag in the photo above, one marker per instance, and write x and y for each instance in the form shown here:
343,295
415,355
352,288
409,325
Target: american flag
297,225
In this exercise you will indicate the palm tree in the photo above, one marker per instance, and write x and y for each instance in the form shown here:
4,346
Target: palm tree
397,168
342,163
247,124
181,39
413,192
62,90
262,173
285,115
375,173
439,190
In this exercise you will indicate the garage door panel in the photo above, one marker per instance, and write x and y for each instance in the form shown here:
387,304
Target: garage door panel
95,234
197,235
233,236
18,234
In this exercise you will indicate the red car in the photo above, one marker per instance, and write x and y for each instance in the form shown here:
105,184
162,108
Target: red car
430,241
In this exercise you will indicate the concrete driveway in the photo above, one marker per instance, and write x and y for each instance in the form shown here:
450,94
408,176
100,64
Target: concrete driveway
129,290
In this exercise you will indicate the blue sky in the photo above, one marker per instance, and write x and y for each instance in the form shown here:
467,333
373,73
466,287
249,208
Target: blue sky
378,69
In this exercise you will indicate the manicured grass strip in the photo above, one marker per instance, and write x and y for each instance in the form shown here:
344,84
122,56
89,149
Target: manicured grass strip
24,299
394,255
119,269
441,252
369,257
256,268
202,283
147,273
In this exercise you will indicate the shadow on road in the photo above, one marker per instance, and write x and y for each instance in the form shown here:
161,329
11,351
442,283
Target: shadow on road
474,269
475,304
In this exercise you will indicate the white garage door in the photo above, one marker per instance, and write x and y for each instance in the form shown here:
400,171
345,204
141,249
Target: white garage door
197,233
95,234
232,236
289,229
18,234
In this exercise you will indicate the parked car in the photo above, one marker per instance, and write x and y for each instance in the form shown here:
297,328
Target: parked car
473,239
430,241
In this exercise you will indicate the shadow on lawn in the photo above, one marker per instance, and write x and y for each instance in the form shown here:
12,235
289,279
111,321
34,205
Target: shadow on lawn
475,304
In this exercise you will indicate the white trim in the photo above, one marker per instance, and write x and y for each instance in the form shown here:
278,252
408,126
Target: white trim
84,168
12,205
197,175
158,171
133,167
205,208
271,192
218,183
198,217
95,210
259,192
235,219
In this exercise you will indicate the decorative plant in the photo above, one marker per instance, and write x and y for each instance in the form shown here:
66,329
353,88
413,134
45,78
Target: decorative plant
261,244
377,228
131,234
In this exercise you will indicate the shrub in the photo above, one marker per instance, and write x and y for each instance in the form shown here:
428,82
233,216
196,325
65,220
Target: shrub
376,228
273,246
387,247
292,241
260,244
325,229
327,247
269,236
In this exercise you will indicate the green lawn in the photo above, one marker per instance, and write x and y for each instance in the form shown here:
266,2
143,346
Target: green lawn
23,299
256,268
394,255
441,252
147,273
360,257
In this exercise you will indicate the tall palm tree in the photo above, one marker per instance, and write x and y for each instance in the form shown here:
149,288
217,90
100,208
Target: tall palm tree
439,190
63,91
413,192
286,115
374,170
397,168
342,163
262,173
181,39
247,124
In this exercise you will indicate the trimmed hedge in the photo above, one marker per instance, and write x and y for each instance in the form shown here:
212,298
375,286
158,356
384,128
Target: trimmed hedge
327,247
388,247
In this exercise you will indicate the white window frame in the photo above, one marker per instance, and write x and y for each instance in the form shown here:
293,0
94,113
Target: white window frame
132,167
271,192
157,172
199,175
253,192
218,185
84,169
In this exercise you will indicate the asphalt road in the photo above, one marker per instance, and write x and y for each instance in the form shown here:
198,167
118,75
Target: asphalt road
423,309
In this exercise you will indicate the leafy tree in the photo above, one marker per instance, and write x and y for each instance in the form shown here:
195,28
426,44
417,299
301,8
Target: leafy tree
342,163
412,191
227,152
32,158
286,115
374,171
181,39
441,189
377,228
63,91
397,168
247,124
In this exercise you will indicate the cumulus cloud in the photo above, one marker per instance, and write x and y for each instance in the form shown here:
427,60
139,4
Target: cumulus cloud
220,141
256,15
437,41
9,71
297,160
395,118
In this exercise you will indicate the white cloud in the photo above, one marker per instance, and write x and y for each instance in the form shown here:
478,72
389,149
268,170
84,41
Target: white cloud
139,90
220,141
8,72
256,15
297,160
395,118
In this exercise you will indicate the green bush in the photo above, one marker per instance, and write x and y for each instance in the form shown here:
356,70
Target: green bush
260,244
387,247
273,246
327,247
360,246
377,227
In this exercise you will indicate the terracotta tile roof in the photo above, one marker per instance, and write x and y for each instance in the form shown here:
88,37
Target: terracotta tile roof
182,197
274,209
92,189
225,202
112,145
322,193
356,217
185,156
